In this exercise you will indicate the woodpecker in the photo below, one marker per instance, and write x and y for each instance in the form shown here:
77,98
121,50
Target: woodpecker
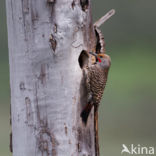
96,78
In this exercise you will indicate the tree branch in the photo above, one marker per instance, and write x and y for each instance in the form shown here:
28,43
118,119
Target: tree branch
103,19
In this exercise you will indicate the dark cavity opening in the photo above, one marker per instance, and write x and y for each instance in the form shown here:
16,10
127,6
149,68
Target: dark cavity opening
98,44
84,4
83,59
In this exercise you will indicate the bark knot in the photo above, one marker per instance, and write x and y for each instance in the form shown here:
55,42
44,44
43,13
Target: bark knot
53,42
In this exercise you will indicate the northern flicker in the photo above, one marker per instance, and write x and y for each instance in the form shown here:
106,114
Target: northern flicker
96,78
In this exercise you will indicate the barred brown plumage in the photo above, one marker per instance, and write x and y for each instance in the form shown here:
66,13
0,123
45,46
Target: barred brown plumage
96,78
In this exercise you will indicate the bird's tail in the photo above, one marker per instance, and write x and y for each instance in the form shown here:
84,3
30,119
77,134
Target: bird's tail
85,113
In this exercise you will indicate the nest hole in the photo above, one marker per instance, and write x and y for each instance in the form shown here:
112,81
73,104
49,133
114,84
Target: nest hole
84,4
83,59
98,45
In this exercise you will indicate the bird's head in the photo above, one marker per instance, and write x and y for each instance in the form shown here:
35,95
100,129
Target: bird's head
102,59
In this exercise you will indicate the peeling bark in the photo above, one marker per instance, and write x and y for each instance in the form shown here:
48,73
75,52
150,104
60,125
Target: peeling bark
46,38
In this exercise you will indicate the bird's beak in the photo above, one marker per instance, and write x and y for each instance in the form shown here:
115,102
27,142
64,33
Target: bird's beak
94,54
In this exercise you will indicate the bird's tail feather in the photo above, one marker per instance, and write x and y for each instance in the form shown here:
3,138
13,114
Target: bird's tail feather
85,113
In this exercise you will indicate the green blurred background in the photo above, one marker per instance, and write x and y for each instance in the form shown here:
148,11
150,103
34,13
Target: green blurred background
128,109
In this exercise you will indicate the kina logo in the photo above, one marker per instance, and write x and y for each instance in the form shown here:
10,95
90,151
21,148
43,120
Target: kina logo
132,150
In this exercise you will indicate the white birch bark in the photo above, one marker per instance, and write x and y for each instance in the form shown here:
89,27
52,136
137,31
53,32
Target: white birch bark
47,86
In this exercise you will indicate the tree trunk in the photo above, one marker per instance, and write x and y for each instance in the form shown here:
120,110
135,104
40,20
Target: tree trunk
47,87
